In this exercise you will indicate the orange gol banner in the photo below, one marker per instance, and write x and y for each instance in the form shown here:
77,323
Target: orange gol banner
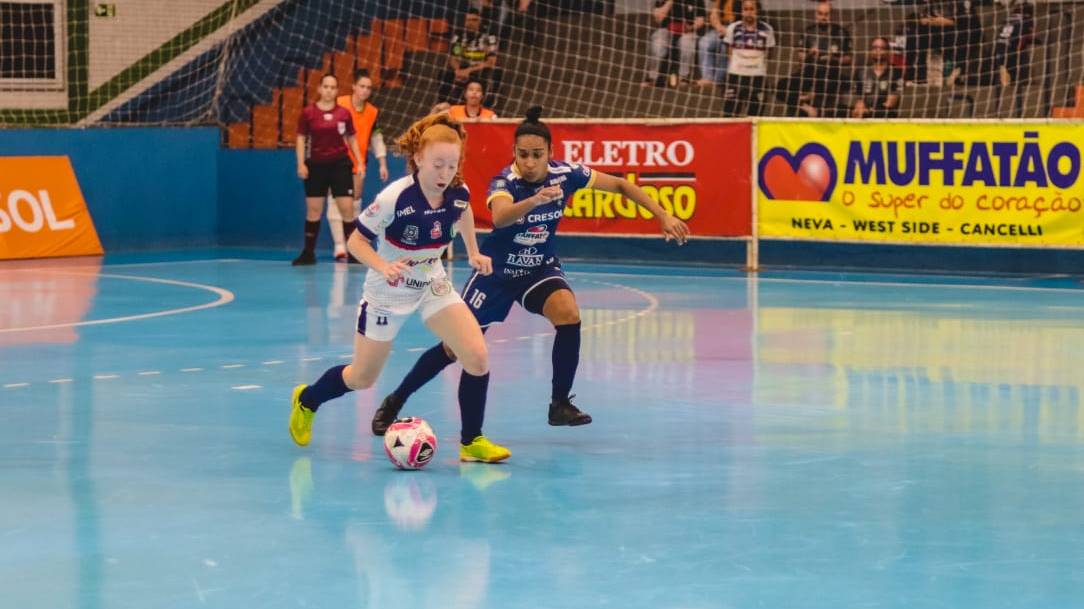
42,211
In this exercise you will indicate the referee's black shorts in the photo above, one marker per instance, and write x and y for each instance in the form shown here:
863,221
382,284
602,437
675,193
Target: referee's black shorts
335,176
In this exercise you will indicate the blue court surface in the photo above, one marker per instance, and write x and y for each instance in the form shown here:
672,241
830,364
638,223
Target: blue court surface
787,440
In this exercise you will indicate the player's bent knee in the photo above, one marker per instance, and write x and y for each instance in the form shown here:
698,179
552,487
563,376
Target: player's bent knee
475,360
564,316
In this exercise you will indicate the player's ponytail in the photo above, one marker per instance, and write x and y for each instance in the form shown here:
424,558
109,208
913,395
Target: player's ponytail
440,127
531,125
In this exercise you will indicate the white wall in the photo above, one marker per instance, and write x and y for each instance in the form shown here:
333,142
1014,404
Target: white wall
139,27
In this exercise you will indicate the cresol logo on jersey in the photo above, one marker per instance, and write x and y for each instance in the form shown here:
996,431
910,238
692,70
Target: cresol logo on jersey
972,183
42,212
700,172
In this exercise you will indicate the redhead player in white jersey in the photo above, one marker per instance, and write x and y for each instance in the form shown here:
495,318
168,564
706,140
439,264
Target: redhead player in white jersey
413,218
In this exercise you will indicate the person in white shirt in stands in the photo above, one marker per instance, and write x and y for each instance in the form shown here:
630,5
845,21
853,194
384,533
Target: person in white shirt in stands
748,43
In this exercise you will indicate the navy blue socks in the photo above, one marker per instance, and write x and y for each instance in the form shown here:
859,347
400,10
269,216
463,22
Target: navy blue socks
566,359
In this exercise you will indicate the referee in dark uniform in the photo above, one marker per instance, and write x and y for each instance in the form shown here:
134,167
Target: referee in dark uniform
324,130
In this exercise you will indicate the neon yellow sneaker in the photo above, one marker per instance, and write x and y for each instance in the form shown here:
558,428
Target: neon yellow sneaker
300,419
483,450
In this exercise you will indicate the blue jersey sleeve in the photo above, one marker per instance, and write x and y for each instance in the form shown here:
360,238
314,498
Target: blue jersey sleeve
498,187
581,176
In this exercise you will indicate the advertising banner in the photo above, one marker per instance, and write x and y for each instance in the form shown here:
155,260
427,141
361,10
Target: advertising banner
699,172
962,183
42,211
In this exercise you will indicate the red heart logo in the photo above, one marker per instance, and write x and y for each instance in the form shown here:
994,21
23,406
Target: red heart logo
808,175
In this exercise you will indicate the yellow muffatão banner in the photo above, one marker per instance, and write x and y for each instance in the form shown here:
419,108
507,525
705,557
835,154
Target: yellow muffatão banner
963,183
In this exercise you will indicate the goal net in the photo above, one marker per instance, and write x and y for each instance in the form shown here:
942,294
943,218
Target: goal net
249,66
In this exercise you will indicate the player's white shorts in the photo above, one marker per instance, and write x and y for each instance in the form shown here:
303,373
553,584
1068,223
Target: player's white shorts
382,322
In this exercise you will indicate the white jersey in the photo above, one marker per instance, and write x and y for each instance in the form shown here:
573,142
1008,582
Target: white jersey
413,232
749,48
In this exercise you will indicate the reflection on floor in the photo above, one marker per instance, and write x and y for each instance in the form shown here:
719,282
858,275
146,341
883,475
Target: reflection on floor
790,440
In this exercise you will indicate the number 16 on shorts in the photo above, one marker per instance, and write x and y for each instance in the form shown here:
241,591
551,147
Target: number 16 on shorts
477,299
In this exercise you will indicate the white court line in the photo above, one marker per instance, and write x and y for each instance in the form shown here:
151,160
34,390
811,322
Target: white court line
133,264
61,381
106,377
272,362
246,387
898,284
224,297
16,385
312,359
232,366
150,373
191,369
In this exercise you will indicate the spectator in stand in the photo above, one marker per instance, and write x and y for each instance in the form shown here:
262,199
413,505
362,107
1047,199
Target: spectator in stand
966,43
472,110
933,29
473,53
1012,53
514,20
824,55
713,58
748,43
678,21
877,85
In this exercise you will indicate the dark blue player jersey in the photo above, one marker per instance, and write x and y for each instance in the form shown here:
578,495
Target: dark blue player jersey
524,247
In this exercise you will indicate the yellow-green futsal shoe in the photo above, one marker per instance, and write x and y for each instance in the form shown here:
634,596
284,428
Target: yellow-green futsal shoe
484,451
300,419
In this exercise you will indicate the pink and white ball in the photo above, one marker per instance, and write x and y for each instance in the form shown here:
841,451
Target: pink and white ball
410,443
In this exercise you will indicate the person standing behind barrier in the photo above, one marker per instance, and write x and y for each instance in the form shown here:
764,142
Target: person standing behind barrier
472,110
825,54
877,86
678,20
367,133
1012,53
328,130
713,57
748,42
473,54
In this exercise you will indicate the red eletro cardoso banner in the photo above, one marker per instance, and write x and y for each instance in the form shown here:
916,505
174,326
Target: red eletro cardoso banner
699,172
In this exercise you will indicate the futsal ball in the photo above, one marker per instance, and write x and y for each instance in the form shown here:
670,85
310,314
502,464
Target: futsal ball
410,443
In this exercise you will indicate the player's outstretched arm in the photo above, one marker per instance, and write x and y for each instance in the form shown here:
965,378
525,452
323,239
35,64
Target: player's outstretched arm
478,261
506,212
672,228
360,247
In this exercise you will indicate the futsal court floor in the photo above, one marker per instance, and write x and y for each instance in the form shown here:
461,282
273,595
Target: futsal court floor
784,440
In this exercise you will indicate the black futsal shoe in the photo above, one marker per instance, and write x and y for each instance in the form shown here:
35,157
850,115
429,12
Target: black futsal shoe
386,414
304,259
564,412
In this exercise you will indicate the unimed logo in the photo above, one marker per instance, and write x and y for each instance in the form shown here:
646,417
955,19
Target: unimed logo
31,213
42,211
